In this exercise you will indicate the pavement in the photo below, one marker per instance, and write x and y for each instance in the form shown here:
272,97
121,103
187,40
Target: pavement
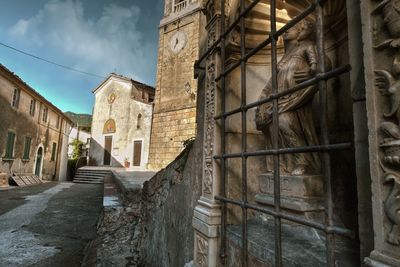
48,224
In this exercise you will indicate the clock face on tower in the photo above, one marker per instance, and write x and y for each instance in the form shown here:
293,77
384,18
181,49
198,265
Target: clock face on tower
177,42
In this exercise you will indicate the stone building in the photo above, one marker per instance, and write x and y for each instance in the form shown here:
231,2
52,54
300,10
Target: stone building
34,133
175,100
121,123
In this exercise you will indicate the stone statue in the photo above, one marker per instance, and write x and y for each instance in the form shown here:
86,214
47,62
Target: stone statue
296,126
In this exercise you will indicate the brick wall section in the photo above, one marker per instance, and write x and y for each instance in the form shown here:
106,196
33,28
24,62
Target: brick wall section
169,131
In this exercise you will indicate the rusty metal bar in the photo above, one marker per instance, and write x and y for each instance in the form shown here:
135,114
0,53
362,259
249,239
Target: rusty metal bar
275,136
223,162
288,150
323,76
326,162
300,220
244,136
228,30
268,41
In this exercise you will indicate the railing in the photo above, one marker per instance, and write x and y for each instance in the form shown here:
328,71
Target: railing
179,6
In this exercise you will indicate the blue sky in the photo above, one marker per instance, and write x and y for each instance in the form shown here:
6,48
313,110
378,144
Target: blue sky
96,36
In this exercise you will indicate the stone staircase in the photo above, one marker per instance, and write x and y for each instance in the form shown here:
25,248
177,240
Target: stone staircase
90,176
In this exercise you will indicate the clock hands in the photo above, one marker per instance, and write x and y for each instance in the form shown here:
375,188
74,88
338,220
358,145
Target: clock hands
176,42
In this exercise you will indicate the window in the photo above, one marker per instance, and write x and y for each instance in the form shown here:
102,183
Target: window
45,112
15,98
139,121
10,145
151,97
27,147
53,152
32,107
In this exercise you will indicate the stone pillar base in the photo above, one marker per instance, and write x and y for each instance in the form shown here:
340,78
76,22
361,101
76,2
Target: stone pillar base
299,194
206,223
3,180
377,259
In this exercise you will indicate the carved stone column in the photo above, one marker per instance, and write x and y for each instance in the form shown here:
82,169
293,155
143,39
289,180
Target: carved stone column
207,214
381,37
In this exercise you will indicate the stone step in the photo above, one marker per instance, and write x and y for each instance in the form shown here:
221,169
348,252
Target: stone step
98,171
88,178
87,182
89,174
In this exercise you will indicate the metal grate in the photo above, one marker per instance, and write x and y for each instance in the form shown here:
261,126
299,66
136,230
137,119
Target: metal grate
320,79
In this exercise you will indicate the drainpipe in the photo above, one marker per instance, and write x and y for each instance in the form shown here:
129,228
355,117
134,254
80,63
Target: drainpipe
58,149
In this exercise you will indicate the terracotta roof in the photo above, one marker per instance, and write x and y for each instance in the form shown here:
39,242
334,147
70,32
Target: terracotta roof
35,93
139,85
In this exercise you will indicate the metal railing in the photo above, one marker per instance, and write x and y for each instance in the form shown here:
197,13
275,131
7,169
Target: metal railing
320,80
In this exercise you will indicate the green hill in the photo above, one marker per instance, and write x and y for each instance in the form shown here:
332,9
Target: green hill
83,120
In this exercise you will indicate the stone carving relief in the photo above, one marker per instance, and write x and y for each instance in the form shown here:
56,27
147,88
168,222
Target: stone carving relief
209,127
296,126
202,251
388,83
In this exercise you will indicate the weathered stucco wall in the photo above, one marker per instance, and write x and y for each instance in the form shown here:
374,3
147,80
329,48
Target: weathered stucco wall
124,111
42,134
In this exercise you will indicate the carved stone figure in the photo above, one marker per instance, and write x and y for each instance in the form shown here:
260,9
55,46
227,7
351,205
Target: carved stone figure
388,82
296,126
392,208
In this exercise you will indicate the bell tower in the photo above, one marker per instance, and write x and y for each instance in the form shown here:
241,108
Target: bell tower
174,115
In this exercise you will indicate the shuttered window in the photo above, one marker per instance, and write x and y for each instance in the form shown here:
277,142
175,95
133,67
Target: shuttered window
15,98
27,147
53,152
10,145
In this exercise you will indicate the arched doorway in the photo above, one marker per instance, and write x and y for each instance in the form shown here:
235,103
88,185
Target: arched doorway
38,164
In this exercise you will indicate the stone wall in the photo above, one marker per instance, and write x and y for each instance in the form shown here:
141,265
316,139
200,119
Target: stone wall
167,205
169,131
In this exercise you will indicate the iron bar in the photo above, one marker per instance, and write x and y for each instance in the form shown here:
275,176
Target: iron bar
228,30
324,76
275,137
300,220
326,163
268,41
244,136
288,150
223,163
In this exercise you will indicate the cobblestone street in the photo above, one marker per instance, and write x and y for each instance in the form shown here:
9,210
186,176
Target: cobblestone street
48,224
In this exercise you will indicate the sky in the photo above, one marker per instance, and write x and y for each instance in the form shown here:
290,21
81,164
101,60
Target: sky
95,36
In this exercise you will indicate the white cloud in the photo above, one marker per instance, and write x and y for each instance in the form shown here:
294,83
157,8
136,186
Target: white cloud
100,45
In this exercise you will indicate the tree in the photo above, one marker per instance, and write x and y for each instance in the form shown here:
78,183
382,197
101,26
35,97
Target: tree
77,148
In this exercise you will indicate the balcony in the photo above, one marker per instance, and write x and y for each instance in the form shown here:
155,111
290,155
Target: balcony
181,5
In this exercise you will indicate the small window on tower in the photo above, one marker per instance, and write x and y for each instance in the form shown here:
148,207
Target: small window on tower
139,121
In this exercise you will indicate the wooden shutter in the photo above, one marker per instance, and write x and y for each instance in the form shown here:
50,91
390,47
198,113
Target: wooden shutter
137,153
27,148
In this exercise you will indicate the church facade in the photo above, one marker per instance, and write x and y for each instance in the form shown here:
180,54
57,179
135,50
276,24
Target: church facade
121,125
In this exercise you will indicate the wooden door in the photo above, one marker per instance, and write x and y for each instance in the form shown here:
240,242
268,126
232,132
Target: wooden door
107,150
137,153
